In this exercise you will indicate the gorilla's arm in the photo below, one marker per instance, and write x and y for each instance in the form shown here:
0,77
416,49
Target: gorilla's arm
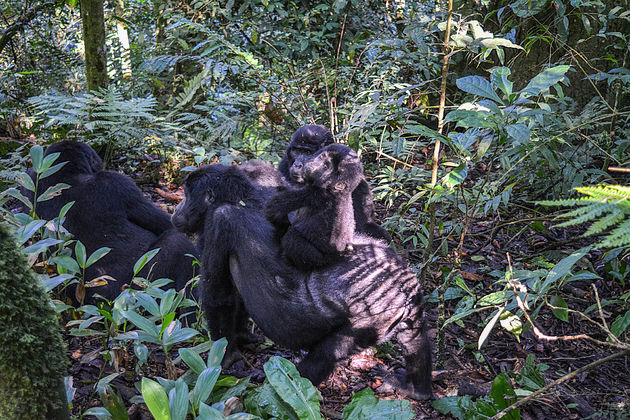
283,203
140,211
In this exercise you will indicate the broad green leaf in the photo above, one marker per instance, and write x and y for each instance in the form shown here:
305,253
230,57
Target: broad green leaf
499,78
364,405
25,181
52,170
113,403
47,163
24,233
143,260
52,192
452,405
562,268
156,399
518,132
264,401
66,263
36,153
178,400
488,328
141,322
193,360
142,352
620,324
561,313
97,255
296,391
208,413
176,334
500,389
52,282
80,254
41,246
205,384
148,302
495,298
511,323
479,86
99,412
217,351
15,193
469,118
545,80
456,176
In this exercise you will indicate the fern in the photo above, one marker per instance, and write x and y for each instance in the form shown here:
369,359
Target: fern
608,206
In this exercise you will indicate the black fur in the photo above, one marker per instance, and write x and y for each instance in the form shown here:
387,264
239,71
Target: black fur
370,295
110,210
323,226
305,142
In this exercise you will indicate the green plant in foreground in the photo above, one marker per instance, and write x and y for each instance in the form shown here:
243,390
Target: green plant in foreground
32,353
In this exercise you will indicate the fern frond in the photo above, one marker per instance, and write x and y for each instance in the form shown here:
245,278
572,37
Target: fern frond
610,201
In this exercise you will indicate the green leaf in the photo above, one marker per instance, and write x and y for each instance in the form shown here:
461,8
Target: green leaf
562,314
563,268
193,360
41,246
148,303
494,43
97,255
36,153
141,322
217,351
479,86
499,78
364,405
48,172
79,252
511,323
452,405
143,260
99,412
24,233
208,413
66,262
500,389
265,402
544,80
15,193
25,181
518,132
205,384
620,324
296,391
142,353
456,176
178,400
52,192
156,399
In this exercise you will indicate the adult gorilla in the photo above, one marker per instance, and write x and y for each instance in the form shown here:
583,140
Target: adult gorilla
110,210
367,297
309,139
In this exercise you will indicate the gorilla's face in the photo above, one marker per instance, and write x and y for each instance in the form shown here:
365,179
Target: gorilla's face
336,168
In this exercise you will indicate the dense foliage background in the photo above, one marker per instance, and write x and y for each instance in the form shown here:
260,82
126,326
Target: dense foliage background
475,121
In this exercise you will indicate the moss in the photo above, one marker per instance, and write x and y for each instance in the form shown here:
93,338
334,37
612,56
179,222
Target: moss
32,353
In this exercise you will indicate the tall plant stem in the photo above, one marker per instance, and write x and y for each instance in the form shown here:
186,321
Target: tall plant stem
441,346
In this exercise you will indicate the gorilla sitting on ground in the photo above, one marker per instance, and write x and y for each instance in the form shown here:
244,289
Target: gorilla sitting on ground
369,296
323,226
305,142
110,210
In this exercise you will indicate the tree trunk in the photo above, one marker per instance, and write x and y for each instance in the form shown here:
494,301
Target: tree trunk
93,17
123,38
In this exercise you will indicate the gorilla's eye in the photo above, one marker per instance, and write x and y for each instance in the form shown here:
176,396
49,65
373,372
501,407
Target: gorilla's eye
209,196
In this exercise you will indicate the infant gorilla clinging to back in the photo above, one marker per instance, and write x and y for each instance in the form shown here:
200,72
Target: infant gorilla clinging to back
324,225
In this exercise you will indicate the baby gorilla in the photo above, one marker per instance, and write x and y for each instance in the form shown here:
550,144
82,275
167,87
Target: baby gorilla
323,226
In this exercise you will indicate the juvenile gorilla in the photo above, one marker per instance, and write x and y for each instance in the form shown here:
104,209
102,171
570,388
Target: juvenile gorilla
110,210
368,296
323,226
305,142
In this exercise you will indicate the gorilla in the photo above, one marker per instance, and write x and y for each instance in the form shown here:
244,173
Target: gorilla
323,226
369,296
109,210
308,140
